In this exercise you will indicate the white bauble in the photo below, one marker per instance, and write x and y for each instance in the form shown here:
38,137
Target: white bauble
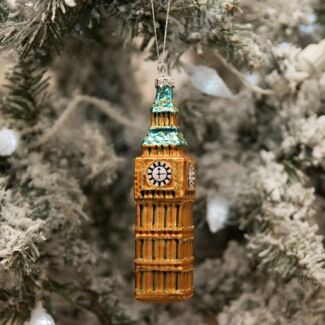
207,80
252,78
70,3
40,316
9,140
217,212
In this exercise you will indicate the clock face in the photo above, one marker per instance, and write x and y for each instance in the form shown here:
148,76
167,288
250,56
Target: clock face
159,173
191,177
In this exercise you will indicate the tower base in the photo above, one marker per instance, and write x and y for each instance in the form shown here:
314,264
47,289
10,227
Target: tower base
163,297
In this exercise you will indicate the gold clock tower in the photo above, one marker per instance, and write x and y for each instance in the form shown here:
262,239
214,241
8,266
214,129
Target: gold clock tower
164,191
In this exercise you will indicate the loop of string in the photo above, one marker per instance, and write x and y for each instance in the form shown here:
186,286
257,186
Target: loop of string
162,68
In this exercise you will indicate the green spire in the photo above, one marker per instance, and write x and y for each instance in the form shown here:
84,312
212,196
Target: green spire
164,101
170,135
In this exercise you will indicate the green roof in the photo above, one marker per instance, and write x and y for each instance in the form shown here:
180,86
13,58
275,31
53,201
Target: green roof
165,137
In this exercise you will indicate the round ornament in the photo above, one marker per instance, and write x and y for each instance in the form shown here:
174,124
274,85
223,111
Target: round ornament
9,140
40,316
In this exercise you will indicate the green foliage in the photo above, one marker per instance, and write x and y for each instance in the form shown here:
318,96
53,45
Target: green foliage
27,86
28,34
19,313
41,25
52,7
193,23
96,298
3,11
208,23
282,236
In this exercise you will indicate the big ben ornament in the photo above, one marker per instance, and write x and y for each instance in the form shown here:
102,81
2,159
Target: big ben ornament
164,191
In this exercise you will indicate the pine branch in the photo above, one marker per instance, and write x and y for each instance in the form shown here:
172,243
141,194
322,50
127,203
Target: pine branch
27,86
43,208
4,11
33,33
97,298
40,26
19,232
281,234
209,23
51,7
217,29
192,23
15,303
269,301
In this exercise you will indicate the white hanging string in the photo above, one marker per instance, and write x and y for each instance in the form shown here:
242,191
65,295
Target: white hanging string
162,69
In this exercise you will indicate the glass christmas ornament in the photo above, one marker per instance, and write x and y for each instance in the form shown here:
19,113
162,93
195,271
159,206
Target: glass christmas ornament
207,80
217,212
40,316
164,191
9,141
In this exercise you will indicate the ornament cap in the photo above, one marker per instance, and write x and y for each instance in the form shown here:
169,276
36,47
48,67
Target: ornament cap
165,81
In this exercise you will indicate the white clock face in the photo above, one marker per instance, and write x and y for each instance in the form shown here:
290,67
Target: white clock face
191,177
159,173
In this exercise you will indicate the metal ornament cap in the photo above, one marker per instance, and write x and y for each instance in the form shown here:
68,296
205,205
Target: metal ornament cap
165,81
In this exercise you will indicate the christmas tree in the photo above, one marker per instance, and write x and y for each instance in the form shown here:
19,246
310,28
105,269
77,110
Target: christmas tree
77,84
